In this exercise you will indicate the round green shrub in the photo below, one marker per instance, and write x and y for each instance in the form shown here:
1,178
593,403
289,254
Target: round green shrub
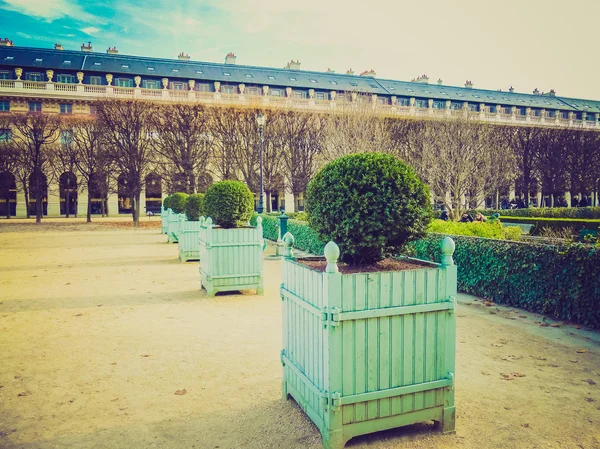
177,202
229,203
370,204
194,206
167,202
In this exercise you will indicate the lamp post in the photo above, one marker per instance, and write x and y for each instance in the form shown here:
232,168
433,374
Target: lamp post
260,120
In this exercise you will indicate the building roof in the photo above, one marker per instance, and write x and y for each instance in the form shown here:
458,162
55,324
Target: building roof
90,62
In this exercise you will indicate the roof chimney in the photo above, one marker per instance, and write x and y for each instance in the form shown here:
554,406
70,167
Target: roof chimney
293,65
371,73
58,47
511,89
440,82
183,56
468,84
112,51
349,72
330,71
552,93
6,42
423,79
536,91
86,48
230,58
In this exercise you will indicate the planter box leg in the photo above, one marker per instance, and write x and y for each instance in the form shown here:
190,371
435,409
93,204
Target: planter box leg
333,439
259,288
449,421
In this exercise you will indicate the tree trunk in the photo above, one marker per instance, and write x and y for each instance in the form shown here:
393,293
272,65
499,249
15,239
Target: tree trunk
269,204
295,201
89,203
38,199
67,201
135,210
26,192
7,207
103,206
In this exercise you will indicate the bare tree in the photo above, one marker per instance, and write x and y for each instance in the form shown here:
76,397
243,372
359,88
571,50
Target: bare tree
183,144
524,141
303,137
90,158
224,125
550,158
8,165
128,138
34,140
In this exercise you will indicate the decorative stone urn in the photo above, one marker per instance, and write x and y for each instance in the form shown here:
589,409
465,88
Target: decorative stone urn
192,84
49,75
80,77
109,79
165,82
366,352
242,88
18,73
217,86
137,80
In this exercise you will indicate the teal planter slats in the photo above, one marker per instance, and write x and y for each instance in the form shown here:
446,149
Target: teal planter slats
188,236
369,351
164,220
175,221
231,259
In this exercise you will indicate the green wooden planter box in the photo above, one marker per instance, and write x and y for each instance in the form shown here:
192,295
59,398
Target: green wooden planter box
231,259
369,351
188,236
164,220
175,221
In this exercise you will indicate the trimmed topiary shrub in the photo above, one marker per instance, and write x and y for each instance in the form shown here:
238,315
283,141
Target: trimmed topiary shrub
229,203
167,202
370,204
194,206
177,202
547,212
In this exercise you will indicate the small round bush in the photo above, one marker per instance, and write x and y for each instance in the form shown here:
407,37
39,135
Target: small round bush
229,203
370,204
178,202
194,206
167,202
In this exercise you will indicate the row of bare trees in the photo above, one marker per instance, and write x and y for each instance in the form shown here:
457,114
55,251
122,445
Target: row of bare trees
188,146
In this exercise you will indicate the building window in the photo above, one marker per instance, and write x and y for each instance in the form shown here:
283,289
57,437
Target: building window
125,66
551,114
66,108
96,80
333,82
456,106
175,70
403,102
271,77
492,109
203,87
199,72
151,69
178,86
299,94
382,100
5,135
226,73
421,103
4,106
536,112
321,96
227,89
64,78
292,79
473,107
34,76
439,105
248,75
66,137
124,82
97,63
254,91
5,75
276,92
150,84
35,106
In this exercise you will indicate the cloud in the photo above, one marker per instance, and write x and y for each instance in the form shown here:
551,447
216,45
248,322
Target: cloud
91,31
24,35
50,10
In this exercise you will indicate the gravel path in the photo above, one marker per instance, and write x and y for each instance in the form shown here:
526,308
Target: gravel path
106,341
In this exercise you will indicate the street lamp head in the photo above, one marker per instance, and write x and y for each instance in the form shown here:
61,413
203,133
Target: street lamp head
260,119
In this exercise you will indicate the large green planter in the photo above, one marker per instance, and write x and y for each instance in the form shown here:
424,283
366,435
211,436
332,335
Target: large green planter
369,351
175,221
164,219
231,259
188,236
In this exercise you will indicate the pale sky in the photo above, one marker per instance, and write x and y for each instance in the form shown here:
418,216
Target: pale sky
544,44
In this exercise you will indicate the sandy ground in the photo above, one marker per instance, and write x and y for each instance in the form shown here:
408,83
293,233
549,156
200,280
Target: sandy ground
100,326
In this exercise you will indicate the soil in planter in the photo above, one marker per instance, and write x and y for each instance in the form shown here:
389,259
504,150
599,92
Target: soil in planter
319,264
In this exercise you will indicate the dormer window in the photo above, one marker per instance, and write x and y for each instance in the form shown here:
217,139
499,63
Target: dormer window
226,73
391,88
175,70
248,75
67,62
292,79
271,77
125,66
409,89
313,81
333,82
97,63
38,59
151,69
199,72
9,58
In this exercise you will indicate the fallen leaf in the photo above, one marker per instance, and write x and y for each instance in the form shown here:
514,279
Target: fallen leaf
578,327
525,425
507,376
68,283
491,312
99,305
589,381
537,357
181,392
485,373
555,325
497,345
145,355
113,363
115,399
581,351
489,303
589,399
573,361
544,325
461,341
522,316
79,314
518,374
24,393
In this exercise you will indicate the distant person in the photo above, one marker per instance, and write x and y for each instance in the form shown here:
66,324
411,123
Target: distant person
574,202
583,202
480,218
444,215
504,205
466,218
520,204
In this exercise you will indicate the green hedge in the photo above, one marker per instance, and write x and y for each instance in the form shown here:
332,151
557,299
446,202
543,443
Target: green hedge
563,282
547,212
489,229
305,238
554,223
